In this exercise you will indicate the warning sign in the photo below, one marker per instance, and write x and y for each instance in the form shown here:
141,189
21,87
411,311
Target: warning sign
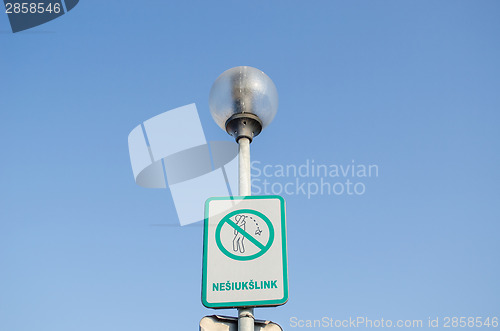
244,259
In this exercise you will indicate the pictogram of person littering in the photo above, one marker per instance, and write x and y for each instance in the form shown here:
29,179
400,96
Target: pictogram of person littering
238,237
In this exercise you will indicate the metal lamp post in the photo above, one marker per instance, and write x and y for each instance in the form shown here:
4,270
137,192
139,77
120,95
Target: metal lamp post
243,101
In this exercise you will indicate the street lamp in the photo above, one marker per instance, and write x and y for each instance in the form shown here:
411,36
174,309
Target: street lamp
243,101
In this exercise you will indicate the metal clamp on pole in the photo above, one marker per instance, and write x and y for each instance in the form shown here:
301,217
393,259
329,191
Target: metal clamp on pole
246,320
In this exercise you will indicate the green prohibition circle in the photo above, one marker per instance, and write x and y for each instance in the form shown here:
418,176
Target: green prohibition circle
250,257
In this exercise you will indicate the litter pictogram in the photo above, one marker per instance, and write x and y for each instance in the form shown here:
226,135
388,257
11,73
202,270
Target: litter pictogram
244,234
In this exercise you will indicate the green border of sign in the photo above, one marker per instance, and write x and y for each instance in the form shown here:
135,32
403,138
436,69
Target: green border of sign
263,250
261,303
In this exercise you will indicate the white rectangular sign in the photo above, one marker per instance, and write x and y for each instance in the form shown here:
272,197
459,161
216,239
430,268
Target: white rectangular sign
244,252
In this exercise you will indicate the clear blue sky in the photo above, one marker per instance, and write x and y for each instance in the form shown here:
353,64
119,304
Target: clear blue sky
411,86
